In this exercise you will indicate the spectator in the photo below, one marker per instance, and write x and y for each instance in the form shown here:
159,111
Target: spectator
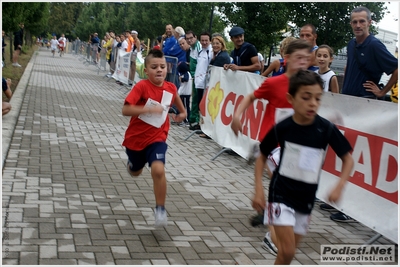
245,56
364,70
309,33
262,63
135,49
277,67
185,90
124,43
195,48
171,48
170,45
6,84
220,55
95,43
324,59
203,60
186,47
108,46
394,93
158,43
18,41
129,40
3,44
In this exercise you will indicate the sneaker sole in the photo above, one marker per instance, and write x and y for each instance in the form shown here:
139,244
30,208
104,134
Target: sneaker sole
344,221
266,247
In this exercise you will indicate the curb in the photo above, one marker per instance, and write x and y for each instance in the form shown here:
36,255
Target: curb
9,121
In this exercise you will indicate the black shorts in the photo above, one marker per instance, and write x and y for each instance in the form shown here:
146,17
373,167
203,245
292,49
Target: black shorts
16,47
153,152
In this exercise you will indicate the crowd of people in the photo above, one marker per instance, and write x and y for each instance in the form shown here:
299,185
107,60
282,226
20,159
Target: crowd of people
297,83
176,69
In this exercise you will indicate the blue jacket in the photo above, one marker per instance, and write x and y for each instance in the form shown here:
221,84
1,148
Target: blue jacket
171,48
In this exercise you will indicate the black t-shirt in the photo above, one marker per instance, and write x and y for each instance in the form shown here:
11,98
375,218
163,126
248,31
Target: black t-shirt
302,155
243,55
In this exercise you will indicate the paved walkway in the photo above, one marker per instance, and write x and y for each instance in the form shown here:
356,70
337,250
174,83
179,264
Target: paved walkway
67,198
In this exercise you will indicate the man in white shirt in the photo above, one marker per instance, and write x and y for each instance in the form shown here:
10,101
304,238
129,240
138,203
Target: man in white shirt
203,60
54,44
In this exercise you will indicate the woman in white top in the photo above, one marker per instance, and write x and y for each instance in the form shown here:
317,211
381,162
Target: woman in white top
324,57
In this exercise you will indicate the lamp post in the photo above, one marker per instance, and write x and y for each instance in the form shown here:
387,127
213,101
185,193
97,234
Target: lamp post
211,18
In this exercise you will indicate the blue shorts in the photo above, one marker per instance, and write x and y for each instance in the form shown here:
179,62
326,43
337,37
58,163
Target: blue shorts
153,152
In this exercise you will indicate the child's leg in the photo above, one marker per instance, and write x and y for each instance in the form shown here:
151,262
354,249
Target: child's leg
136,161
156,157
159,182
286,243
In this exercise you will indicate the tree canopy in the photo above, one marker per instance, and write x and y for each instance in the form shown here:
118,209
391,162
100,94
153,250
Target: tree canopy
264,22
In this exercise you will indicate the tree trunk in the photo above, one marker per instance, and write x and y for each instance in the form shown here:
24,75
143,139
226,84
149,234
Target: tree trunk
11,34
28,38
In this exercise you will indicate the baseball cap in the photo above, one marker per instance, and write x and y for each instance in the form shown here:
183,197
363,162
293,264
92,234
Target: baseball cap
134,32
236,31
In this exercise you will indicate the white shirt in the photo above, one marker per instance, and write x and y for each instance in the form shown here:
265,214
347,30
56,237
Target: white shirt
203,60
54,43
64,40
124,45
326,77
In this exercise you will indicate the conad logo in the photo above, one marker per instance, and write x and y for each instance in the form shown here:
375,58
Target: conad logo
375,163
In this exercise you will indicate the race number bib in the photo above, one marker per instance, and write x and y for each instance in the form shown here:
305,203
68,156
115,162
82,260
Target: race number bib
301,163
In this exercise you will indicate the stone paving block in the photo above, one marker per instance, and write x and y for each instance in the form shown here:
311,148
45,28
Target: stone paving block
175,258
48,252
58,262
65,176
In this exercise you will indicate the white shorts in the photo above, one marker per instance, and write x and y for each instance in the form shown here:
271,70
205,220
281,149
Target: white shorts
282,215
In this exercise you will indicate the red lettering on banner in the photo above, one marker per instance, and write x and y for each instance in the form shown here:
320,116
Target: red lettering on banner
375,163
230,99
253,121
250,120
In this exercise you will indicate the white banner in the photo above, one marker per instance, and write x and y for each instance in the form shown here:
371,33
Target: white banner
122,66
371,195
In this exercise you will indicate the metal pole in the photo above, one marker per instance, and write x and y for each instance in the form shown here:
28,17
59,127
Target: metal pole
211,18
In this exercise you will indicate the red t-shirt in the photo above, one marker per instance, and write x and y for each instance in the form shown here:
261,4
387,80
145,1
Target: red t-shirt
274,90
140,134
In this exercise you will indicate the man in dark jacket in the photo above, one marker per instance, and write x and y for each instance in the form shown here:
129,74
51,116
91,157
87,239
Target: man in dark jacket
245,55
18,39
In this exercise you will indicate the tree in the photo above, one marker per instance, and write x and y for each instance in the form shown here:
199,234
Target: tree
263,22
331,19
34,16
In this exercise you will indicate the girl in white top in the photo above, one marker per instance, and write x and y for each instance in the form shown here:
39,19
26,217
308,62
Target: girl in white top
324,58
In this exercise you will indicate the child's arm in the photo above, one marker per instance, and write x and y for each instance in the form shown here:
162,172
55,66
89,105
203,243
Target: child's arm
259,196
182,110
236,125
134,111
334,85
347,167
274,66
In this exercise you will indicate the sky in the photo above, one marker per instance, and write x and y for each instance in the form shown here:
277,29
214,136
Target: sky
388,22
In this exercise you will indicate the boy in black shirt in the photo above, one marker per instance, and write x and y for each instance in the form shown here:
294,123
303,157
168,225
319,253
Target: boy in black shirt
303,139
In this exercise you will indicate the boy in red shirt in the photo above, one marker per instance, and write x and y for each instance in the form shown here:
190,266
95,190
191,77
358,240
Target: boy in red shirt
145,138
